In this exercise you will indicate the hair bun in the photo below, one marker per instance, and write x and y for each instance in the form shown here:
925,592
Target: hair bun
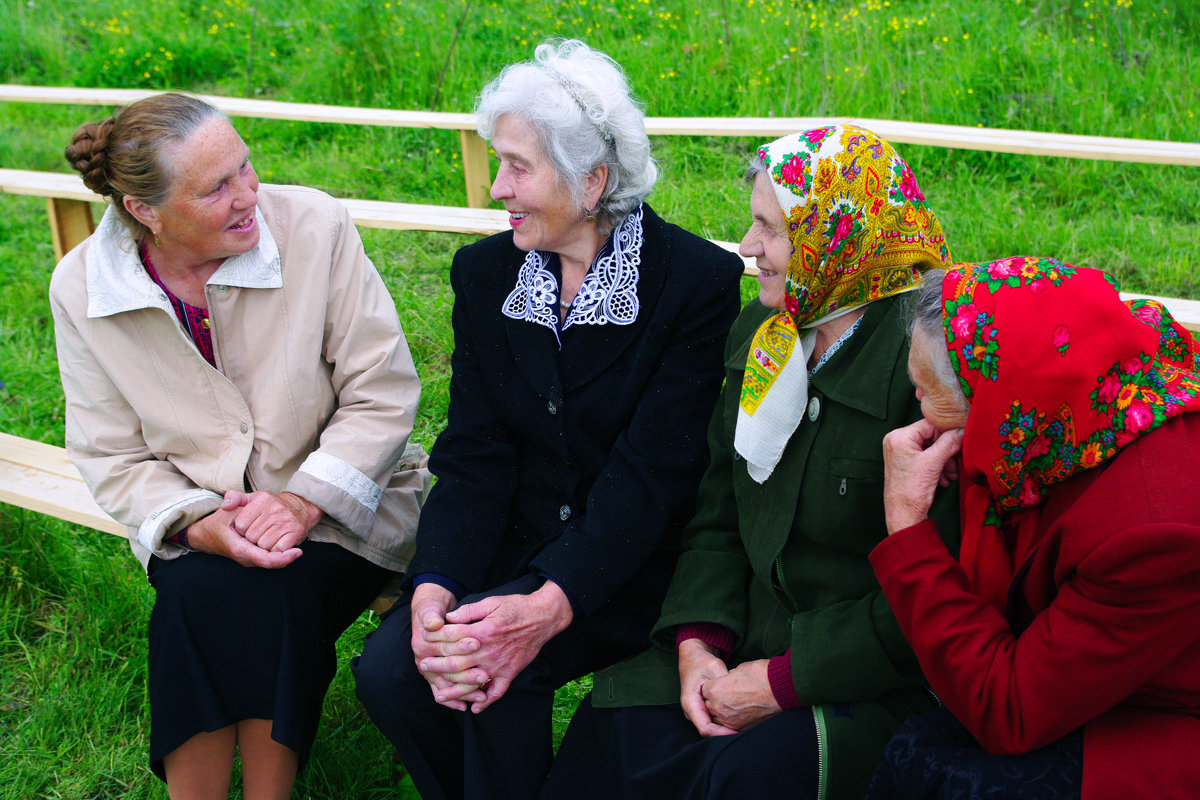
88,154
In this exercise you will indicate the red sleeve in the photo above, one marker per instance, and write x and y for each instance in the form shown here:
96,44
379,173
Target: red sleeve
779,674
1128,609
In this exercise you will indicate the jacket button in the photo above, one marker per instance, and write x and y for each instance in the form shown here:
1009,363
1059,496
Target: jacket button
814,408
551,407
243,427
564,513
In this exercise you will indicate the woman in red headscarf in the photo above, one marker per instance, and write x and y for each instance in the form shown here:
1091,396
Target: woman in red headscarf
1073,612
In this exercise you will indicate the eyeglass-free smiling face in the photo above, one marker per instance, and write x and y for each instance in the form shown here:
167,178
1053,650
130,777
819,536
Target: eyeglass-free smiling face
767,243
543,214
209,214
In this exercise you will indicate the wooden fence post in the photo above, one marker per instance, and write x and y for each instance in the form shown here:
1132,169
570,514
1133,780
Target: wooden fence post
70,223
476,169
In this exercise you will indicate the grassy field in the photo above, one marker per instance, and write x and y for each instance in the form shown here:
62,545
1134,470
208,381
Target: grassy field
73,604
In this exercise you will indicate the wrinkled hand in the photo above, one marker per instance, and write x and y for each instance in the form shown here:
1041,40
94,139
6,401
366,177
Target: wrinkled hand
429,606
916,460
699,664
215,534
276,522
510,629
742,697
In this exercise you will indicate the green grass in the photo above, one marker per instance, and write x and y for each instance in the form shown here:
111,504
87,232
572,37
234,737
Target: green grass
73,603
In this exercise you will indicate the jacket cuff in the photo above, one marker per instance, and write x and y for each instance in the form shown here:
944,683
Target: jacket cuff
779,674
449,584
341,490
159,524
575,608
710,633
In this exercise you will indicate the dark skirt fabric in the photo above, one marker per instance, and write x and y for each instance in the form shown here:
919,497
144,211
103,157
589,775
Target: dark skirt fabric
933,756
654,752
230,643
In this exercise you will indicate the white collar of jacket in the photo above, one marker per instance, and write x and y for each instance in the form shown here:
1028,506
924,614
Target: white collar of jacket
117,282
608,294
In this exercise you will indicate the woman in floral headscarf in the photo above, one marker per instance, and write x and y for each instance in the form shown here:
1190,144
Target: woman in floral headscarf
1075,604
778,669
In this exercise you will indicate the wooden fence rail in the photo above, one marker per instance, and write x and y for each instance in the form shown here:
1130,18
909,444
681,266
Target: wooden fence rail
476,170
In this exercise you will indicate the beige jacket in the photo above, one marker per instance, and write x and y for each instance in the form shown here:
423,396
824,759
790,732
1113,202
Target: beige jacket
315,391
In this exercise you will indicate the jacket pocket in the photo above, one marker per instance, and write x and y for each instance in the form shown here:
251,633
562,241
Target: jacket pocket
853,511
853,475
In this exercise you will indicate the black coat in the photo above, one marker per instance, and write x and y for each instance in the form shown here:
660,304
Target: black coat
580,464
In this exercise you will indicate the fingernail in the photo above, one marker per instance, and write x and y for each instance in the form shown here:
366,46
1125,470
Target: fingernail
441,698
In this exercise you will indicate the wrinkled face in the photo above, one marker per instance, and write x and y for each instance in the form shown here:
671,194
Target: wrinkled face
940,404
209,213
541,211
767,242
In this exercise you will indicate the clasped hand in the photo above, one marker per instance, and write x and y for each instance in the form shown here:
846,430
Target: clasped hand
471,655
259,529
720,701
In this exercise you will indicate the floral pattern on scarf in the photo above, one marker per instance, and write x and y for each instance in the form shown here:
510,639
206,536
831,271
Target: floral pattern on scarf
1060,374
860,230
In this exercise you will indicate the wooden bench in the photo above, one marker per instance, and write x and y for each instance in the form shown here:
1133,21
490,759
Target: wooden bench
68,204
41,478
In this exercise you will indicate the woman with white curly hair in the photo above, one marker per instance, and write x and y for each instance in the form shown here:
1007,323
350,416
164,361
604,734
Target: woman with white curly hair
587,360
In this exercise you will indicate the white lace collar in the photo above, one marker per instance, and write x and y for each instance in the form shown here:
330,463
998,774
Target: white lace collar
608,293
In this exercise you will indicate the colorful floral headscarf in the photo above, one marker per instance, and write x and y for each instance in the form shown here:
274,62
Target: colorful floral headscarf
861,231
1061,374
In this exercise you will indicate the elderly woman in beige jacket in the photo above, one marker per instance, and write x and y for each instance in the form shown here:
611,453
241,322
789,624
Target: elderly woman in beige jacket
240,394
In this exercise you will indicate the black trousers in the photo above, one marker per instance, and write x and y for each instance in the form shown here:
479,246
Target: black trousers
503,752
655,753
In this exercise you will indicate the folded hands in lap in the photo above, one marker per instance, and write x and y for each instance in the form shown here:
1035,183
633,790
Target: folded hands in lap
471,655
259,529
720,701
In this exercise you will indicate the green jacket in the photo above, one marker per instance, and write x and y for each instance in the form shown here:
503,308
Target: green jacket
784,564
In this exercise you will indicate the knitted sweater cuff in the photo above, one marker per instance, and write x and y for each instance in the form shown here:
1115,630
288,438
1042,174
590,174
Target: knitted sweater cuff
779,673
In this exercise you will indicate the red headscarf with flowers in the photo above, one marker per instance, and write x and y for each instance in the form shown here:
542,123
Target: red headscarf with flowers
860,230
1060,374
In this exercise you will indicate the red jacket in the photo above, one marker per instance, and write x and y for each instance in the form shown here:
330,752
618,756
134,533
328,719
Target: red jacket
1102,629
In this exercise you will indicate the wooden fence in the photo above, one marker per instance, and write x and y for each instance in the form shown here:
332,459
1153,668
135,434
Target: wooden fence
39,476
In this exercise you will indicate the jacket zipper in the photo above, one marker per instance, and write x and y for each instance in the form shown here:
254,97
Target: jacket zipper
819,724
817,712
782,587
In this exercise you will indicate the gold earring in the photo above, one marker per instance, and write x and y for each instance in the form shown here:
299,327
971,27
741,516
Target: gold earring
590,218
157,241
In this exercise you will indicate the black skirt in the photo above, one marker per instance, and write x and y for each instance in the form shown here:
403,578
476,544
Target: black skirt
933,757
230,643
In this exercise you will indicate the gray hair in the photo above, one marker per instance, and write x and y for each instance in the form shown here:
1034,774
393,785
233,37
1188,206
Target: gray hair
928,319
578,102
757,166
